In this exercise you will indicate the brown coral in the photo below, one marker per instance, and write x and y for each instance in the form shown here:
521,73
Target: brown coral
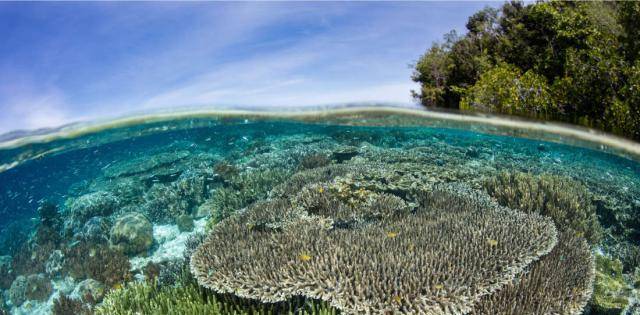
436,261
559,283
97,261
566,201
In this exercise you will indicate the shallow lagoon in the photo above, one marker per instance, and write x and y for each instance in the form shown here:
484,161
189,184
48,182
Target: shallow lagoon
109,216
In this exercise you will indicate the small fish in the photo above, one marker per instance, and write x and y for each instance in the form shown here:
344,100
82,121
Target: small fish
392,234
117,286
439,286
397,299
492,242
321,189
304,257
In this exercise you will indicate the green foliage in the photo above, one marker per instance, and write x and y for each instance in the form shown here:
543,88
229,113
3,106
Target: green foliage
563,199
569,61
504,90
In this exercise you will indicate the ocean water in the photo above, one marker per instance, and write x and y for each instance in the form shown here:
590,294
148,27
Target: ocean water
359,211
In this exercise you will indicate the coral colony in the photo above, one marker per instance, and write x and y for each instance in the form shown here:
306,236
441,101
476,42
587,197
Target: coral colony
225,216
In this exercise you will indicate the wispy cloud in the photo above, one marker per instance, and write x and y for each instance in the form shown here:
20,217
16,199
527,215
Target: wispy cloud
65,62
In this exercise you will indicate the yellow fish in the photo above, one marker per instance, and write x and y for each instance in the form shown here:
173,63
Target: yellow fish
397,299
439,286
392,234
117,286
492,242
305,257
321,189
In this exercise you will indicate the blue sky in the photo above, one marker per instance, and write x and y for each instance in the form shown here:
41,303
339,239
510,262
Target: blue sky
64,62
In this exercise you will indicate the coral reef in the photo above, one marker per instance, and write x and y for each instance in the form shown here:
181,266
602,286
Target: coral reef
243,190
67,306
131,233
86,260
559,283
34,254
3,306
81,209
143,164
32,287
370,262
611,293
95,229
313,160
48,213
225,170
185,223
54,264
189,298
164,203
89,290
6,273
323,174
565,200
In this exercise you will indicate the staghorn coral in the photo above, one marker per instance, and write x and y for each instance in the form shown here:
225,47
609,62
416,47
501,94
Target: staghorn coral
346,208
559,283
146,298
225,170
313,160
437,261
565,200
317,175
242,190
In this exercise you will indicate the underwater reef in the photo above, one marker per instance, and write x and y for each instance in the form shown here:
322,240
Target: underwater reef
288,218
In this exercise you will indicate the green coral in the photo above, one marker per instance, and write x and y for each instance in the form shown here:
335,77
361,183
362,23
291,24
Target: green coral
145,298
611,294
565,200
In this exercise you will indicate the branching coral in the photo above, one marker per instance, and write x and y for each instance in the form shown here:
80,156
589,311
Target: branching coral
97,261
559,283
242,190
100,203
313,160
66,306
439,260
317,175
32,287
565,200
145,298
164,203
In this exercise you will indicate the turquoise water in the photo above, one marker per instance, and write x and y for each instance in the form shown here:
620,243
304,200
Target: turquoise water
118,206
